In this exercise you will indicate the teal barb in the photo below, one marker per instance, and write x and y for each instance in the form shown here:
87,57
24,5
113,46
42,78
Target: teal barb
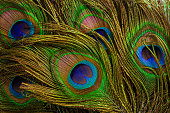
84,56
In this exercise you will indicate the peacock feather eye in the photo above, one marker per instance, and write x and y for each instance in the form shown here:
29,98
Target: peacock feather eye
13,91
81,73
150,49
60,56
18,22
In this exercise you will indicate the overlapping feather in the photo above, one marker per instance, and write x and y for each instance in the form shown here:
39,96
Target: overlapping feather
123,83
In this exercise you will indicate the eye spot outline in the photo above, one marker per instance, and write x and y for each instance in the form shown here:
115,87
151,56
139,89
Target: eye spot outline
143,33
129,41
8,96
84,92
28,13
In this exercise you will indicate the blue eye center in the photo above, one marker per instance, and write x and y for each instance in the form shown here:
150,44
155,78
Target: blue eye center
83,75
147,58
15,87
79,72
102,32
147,54
21,29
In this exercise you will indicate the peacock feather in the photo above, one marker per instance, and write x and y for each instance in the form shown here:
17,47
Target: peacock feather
84,56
